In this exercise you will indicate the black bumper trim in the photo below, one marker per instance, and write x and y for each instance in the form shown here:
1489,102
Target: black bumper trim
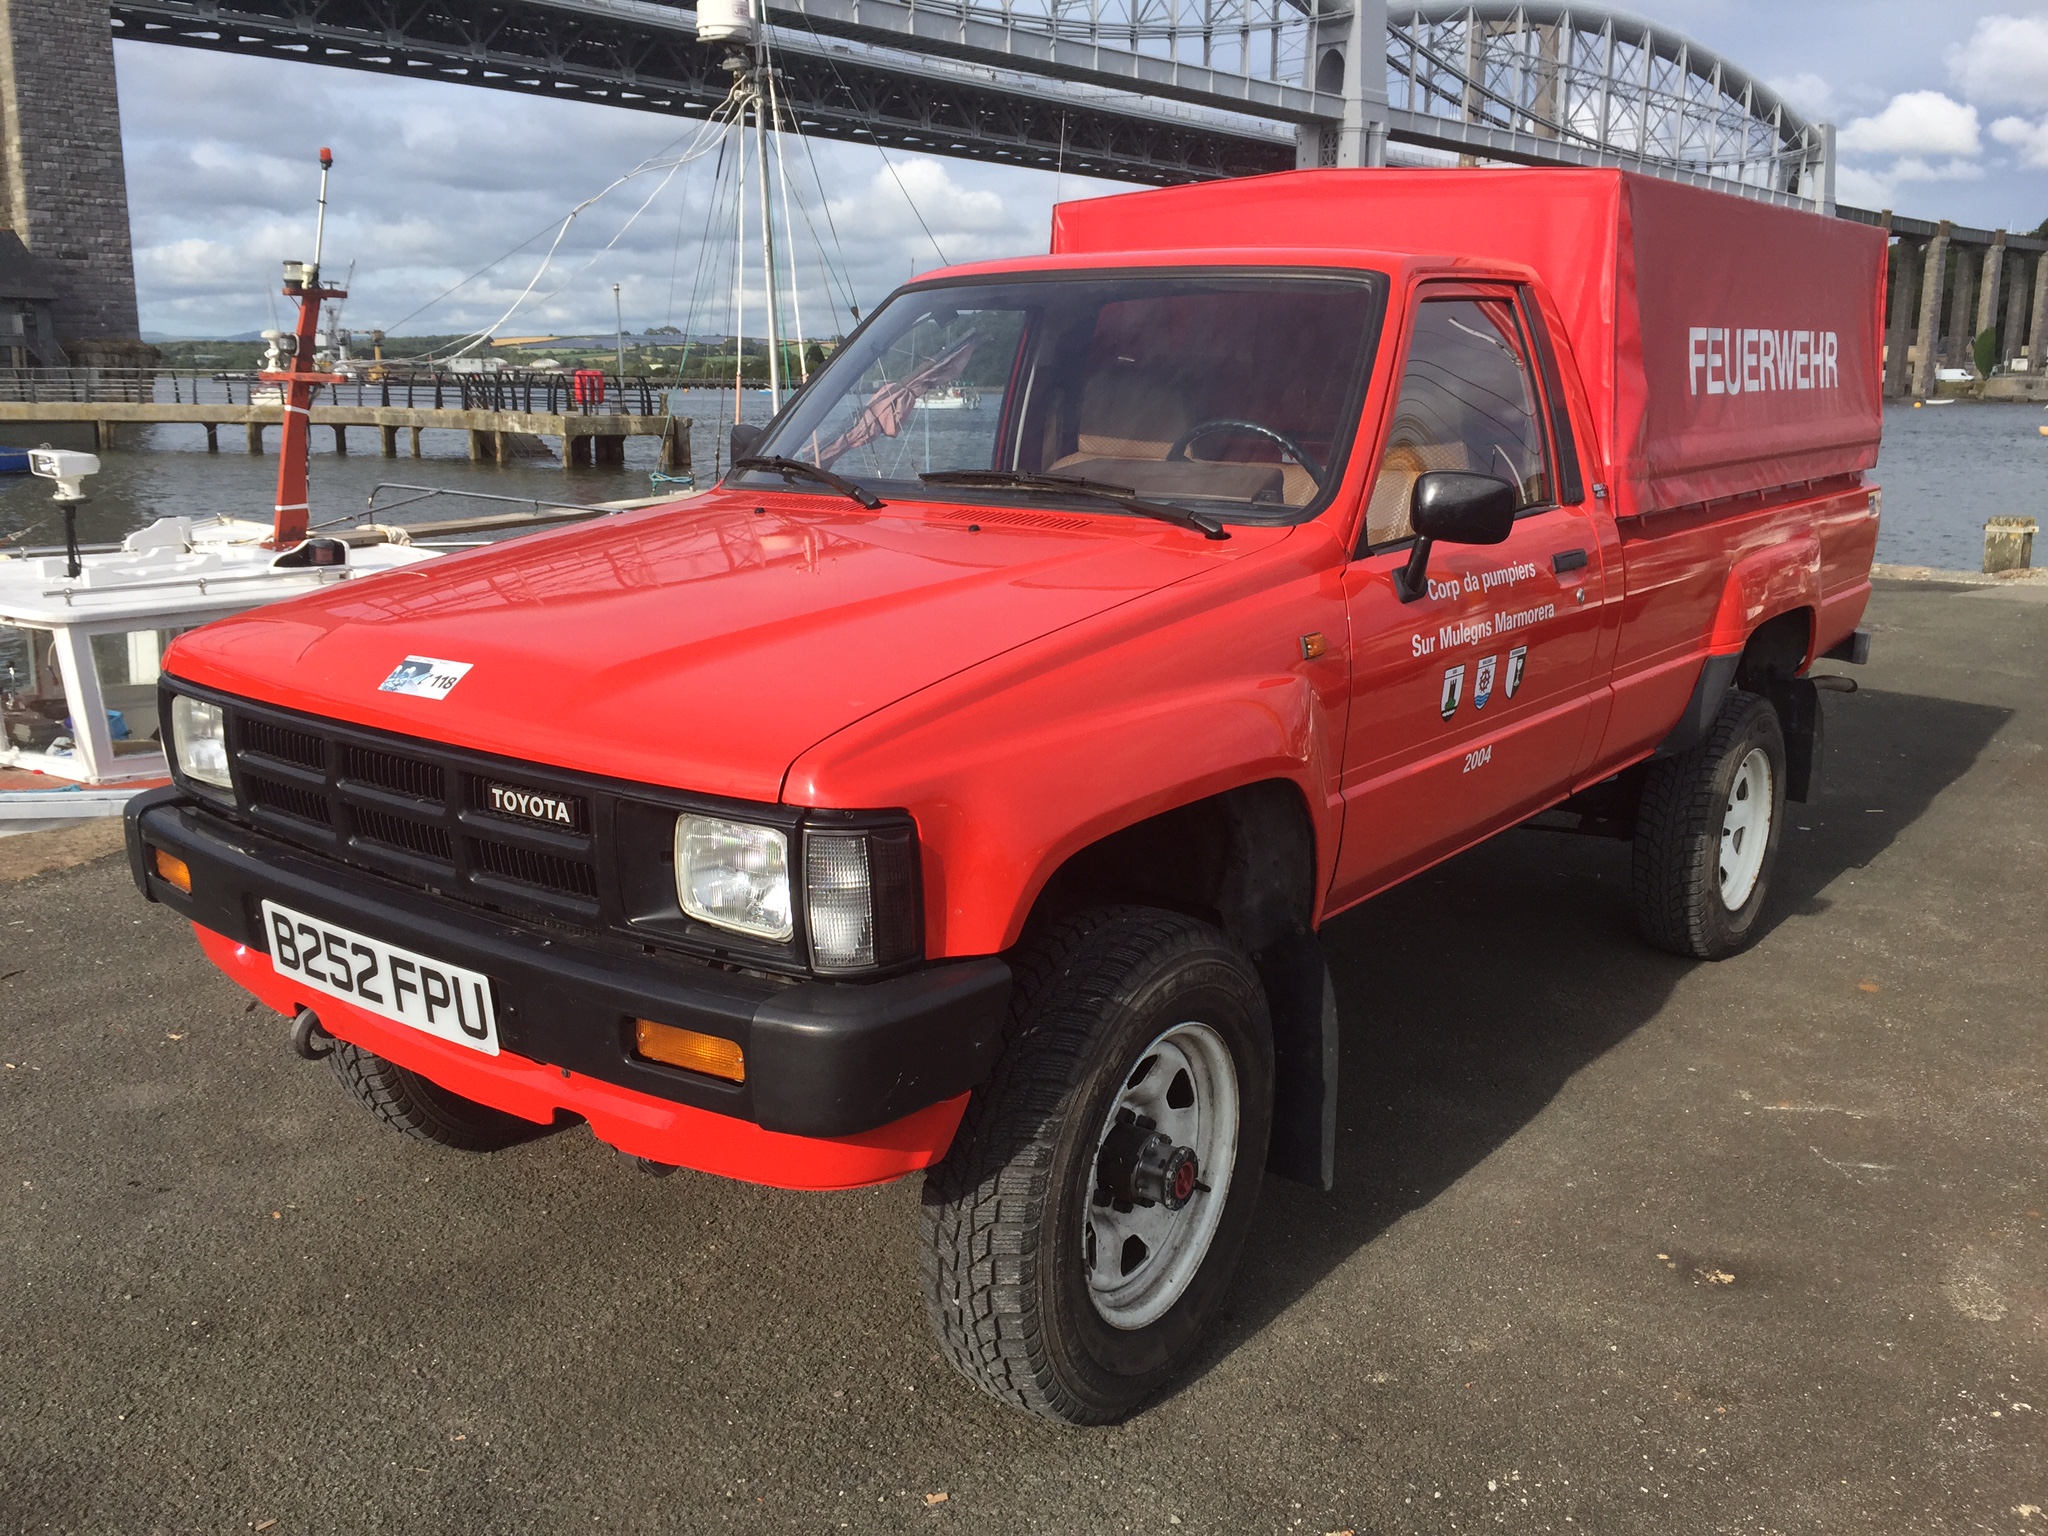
823,1058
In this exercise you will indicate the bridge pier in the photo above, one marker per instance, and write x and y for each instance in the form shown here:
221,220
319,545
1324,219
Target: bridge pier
388,441
1934,273
2037,334
1989,291
1348,60
63,189
1955,351
2014,335
256,438
1906,260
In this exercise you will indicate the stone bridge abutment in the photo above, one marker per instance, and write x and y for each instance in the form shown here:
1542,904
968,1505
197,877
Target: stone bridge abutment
63,188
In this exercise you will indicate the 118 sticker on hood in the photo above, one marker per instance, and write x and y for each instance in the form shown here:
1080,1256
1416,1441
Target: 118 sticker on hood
425,677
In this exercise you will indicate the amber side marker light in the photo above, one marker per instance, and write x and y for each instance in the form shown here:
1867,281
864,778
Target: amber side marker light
686,1048
174,871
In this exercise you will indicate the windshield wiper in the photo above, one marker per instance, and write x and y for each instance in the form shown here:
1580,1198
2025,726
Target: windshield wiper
1074,485
791,468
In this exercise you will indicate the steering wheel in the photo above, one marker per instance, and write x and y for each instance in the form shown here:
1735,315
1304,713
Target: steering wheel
1179,451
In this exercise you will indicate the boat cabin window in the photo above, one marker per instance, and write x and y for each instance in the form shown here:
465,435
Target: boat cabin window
32,707
35,713
1233,394
129,665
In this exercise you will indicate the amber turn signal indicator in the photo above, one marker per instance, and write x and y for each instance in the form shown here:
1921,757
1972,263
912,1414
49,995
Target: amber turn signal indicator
1313,646
174,871
687,1049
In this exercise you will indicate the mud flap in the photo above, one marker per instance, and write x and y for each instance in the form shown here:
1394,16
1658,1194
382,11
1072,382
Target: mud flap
1303,1001
1797,702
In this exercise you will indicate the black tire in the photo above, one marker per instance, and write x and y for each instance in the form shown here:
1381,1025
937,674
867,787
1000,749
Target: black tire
1007,1215
425,1111
1677,884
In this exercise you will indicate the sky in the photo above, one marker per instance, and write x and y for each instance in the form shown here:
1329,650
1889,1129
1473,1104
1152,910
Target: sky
1942,107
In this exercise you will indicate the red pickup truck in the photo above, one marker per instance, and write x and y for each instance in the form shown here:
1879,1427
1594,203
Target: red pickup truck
961,784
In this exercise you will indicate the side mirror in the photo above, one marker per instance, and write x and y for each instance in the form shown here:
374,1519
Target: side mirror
1453,508
743,439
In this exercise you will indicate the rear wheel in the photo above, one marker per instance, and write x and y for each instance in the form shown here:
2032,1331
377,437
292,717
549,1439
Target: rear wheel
424,1110
1085,1225
1707,834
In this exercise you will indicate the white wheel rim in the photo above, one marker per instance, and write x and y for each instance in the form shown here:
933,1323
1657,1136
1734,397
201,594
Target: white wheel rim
1745,829
1140,1261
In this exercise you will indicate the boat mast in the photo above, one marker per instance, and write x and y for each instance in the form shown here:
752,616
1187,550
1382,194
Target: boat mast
297,382
761,98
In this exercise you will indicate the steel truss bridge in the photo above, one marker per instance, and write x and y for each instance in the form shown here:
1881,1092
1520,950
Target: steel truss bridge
1150,91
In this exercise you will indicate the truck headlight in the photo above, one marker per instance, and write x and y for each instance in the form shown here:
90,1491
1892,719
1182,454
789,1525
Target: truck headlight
860,898
734,876
199,734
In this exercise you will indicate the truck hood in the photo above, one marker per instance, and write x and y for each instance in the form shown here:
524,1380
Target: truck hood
702,645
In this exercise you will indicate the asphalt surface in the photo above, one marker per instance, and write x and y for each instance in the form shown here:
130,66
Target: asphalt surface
1619,1243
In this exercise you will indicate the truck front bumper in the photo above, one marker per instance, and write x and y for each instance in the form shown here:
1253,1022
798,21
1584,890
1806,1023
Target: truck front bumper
846,1083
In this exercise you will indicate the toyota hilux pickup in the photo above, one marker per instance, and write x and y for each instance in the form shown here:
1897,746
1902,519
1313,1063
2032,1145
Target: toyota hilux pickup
958,787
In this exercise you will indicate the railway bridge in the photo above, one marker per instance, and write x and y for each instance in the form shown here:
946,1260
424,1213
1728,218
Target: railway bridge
1147,91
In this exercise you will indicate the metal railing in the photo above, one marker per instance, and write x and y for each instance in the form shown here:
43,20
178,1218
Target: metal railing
542,391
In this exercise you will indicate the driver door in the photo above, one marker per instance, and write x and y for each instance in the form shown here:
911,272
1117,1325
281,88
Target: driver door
1470,704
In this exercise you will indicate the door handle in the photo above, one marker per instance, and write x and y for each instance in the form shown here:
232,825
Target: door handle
1568,560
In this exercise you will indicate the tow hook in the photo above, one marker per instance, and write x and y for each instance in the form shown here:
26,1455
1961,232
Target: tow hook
652,1169
308,1038
1140,1165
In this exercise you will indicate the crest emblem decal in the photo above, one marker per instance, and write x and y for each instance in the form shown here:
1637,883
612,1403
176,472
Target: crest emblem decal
1454,690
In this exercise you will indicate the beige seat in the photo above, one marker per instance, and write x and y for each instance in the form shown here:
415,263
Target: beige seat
1132,414
1129,411
1386,515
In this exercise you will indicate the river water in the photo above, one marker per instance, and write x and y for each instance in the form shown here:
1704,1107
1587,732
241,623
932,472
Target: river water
1944,469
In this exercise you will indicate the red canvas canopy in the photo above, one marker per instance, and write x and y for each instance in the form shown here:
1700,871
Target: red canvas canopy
1729,346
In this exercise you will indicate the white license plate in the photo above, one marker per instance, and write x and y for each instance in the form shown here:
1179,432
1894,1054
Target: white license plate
397,984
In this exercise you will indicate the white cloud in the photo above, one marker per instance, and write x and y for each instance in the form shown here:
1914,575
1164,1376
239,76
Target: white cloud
1807,93
2005,61
1915,123
1865,187
434,180
1862,189
2030,139
1913,168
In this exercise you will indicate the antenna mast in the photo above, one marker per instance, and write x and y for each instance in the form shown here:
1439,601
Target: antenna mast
297,381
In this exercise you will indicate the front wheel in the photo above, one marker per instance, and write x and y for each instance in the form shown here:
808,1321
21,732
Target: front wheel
417,1107
1707,834
1085,1224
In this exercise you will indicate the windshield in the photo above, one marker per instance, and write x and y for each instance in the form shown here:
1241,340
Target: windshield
1234,396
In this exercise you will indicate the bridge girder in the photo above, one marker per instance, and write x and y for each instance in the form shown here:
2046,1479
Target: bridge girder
648,58
1155,91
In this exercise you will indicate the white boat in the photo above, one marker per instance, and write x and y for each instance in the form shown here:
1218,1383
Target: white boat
81,639
953,399
82,634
